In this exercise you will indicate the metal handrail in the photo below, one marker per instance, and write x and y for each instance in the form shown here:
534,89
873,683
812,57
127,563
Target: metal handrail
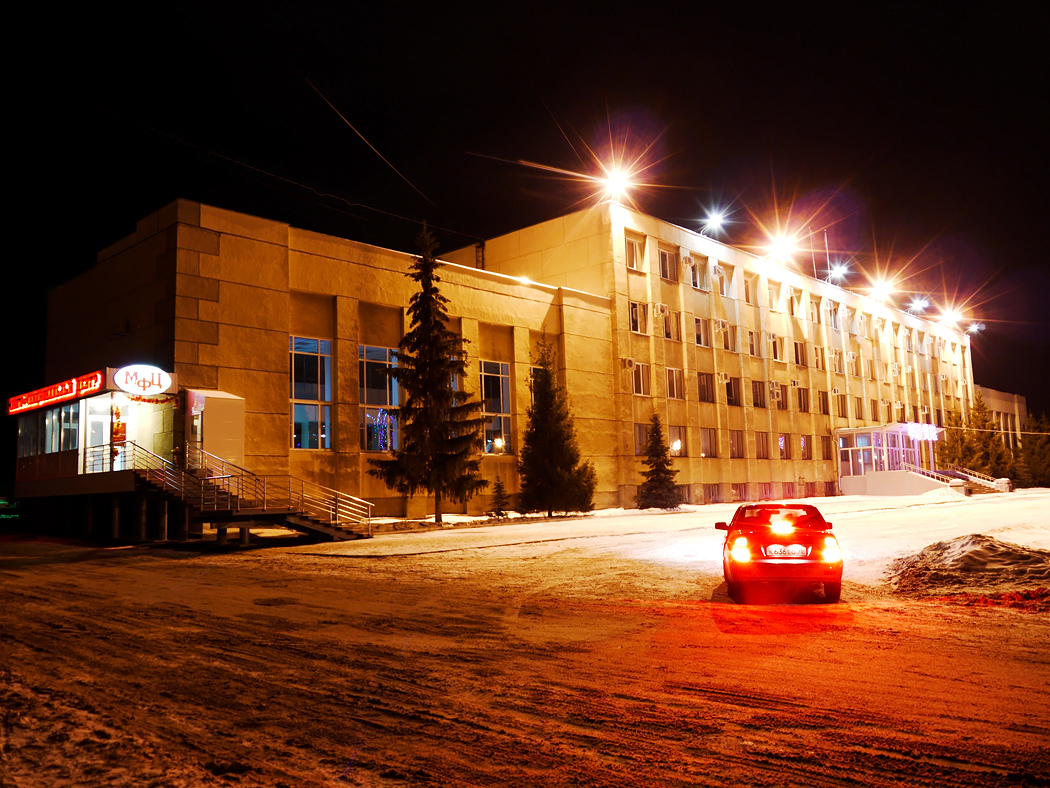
907,466
976,476
229,487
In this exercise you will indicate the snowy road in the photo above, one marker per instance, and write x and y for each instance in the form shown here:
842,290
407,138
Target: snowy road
601,651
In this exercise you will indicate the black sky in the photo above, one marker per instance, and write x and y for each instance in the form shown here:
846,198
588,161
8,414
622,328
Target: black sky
920,128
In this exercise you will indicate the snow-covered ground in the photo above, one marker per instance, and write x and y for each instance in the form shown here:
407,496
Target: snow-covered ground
873,530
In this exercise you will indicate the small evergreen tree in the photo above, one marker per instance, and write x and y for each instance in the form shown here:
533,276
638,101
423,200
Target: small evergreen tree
500,499
658,491
1034,459
440,428
553,477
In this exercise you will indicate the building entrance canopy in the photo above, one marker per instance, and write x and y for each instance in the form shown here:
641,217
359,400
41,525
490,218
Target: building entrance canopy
887,447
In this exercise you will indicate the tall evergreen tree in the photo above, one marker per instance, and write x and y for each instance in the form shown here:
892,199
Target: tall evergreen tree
440,428
1035,452
553,477
954,448
990,454
658,491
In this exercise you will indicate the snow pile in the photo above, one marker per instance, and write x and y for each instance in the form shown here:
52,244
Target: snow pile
974,561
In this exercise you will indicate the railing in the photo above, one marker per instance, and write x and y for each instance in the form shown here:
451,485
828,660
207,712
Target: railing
230,488
197,458
907,466
975,476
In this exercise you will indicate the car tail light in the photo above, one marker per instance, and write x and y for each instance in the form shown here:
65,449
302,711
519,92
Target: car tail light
740,552
832,551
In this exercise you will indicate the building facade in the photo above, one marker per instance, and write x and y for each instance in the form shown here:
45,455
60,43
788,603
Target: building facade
278,337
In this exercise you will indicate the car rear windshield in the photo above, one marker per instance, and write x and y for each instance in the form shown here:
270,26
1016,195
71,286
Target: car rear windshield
799,516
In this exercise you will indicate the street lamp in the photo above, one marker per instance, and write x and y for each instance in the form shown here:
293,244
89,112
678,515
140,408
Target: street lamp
713,223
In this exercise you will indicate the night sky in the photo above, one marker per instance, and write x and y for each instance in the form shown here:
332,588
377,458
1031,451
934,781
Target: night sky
914,133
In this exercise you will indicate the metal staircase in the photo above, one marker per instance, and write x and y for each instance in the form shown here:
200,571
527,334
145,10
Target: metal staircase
978,482
221,492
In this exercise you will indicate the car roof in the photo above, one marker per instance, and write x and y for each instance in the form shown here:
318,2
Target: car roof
761,513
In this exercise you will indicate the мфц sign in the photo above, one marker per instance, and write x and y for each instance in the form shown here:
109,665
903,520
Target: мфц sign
142,379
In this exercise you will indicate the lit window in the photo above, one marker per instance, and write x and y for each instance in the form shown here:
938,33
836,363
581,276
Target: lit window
311,393
676,440
378,393
495,393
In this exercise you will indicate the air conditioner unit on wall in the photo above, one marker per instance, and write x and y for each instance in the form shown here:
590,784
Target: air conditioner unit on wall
907,370
895,369
884,401
944,377
925,409
659,309
687,262
898,404
723,377
719,270
796,384
721,325
775,395
851,356
773,337
835,391
628,363
774,386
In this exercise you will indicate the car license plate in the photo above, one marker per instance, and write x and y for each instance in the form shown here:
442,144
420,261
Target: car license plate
786,551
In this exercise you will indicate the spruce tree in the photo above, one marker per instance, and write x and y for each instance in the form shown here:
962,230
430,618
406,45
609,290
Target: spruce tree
553,477
440,426
500,499
1035,452
658,491
990,454
954,448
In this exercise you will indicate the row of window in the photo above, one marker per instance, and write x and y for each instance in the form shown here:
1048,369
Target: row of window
764,394
311,397
787,446
49,431
782,298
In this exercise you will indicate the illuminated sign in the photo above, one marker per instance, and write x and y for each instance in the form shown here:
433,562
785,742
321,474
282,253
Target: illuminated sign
59,392
922,432
142,379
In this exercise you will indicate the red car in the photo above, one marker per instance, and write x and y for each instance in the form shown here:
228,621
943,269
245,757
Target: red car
789,544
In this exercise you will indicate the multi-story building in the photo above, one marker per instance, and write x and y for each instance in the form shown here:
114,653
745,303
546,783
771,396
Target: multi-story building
277,338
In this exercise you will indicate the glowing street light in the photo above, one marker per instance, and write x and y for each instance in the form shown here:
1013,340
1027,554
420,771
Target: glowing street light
838,272
881,290
616,183
973,328
918,304
781,248
713,223
951,316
